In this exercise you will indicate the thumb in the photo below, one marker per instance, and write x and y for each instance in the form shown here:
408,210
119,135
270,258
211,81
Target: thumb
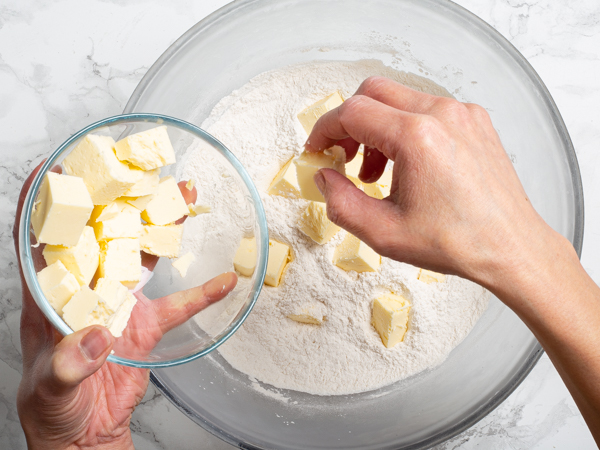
367,218
76,357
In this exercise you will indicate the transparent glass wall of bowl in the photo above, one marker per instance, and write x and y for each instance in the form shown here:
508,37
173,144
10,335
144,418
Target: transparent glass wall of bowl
433,38
197,336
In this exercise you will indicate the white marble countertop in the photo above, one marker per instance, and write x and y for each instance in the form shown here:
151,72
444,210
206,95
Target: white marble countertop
67,63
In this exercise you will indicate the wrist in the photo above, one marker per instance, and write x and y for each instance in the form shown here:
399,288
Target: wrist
35,441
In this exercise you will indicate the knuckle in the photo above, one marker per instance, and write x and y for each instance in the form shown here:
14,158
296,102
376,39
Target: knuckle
351,108
451,106
477,111
422,129
372,85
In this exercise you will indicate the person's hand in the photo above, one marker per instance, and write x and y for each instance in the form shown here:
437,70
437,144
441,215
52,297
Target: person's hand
456,204
69,397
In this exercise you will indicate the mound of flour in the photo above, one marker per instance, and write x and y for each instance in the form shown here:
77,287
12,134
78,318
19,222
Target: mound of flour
344,355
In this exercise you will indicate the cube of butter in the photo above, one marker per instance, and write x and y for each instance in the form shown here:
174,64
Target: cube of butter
105,176
118,321
161,240
315,223
81,259
120,260
279,256
167,205
196,210
353,169
311,314
381,188
307,165
390,318
183,264
146,186
139,202
148,149
81,310
58,285
65,207
309,116
354,254
428,276
244,260
286,182
124,224
112,293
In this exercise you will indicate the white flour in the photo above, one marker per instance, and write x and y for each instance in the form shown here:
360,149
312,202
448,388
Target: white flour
344,355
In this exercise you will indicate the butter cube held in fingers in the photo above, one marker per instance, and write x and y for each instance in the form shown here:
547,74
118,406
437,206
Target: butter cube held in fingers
148,149
309,116
167,205
316,225
64,208
381,188
95,161
354,254
308,164
285,183
390,318
58,285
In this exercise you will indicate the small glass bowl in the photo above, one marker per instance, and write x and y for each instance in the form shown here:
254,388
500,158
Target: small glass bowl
212,326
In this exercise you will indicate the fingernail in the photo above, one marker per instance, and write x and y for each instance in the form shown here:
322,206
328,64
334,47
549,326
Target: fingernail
320,182
94,344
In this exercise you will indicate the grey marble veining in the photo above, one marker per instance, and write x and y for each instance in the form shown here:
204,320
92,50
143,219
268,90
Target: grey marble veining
67,63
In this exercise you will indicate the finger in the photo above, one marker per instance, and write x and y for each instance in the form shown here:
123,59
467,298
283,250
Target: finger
351,147
369,122
174,309
75,358
397,95
373,165
367,218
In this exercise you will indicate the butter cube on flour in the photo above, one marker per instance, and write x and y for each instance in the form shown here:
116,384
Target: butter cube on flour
307,165
353,254
244,260
167,205
120,260
315,223
286,182
161,240
390,318
81,259
311,314
58,285
146,186
381,188
64,208
148,149
81,310
279,256
183,264
427,276
105,176
122,221
309,116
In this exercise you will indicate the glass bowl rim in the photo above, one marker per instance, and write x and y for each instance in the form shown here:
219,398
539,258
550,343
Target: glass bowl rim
486,29
25,224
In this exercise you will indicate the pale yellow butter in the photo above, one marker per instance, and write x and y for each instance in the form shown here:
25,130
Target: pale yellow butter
190,184
279,256
148,149
167,205
390,318
183,264
196,210
285,183
105,177
315,223
244,260
125,224
310,314
81,259
81,310
146,186
161,240
64,208
307,165
428,276
113,294
353,254
353,169
140,202
381,188
120,260
309,116
58,285
118,321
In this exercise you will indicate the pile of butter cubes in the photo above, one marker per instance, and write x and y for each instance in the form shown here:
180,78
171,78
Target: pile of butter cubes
95,219
295,180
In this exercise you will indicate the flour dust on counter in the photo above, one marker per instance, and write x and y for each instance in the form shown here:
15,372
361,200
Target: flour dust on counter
342,353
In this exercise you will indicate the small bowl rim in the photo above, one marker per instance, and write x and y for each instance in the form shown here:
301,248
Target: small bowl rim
26,259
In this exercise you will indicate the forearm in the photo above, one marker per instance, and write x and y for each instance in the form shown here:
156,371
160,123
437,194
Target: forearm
560,303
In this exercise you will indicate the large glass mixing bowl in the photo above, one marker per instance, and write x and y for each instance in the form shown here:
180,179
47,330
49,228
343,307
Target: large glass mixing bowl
447,44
